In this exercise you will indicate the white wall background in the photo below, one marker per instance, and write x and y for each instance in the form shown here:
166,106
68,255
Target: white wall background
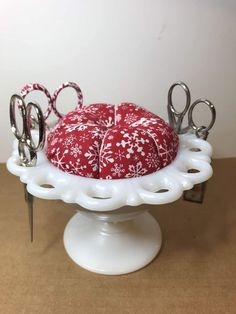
122,50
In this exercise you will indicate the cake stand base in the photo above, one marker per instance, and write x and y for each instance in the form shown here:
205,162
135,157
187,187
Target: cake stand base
112,245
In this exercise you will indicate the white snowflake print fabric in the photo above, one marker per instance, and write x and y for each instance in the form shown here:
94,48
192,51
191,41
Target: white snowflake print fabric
105,141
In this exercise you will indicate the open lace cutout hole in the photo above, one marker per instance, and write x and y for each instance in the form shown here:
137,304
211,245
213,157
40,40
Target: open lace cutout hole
193,170
47,186
195,149
162,191
101,198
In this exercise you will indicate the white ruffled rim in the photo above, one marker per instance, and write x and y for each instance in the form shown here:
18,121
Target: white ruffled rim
105,195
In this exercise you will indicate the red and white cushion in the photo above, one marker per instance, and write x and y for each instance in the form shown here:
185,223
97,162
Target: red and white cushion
105,141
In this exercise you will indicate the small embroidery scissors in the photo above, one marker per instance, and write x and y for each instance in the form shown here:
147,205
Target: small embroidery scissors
53,99
27,148
176,117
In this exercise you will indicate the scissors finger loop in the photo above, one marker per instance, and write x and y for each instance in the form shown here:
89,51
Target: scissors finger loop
188,99
213,115
57,92
36,86
41,127
16,99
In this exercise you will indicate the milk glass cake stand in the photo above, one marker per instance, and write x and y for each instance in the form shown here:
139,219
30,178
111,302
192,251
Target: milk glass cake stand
110,234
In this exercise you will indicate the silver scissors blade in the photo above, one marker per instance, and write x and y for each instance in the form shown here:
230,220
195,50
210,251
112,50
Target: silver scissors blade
29,198
176,117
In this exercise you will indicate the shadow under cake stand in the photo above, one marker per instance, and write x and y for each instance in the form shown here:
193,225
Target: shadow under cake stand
111,234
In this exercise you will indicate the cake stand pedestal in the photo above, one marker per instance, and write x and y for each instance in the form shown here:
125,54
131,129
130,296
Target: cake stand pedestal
103,245
111,234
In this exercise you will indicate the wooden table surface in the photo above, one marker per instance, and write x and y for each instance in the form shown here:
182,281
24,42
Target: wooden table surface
195,271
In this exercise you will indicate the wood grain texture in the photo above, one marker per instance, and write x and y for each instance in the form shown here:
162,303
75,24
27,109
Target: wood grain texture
195,271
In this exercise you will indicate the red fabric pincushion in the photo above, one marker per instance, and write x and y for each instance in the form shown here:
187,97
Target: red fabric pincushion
111,142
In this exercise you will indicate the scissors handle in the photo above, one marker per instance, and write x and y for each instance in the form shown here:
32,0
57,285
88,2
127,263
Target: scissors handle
16,99
41,127
34,87
57,92
201,131
176,117
27,148
52,99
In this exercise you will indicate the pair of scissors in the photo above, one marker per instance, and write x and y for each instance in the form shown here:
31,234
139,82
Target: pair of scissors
27,147
53,99
176,117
